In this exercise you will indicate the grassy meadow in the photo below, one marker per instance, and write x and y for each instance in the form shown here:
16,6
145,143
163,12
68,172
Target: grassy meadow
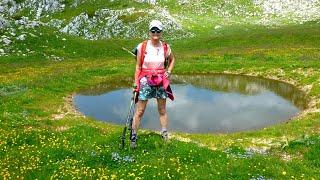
42,136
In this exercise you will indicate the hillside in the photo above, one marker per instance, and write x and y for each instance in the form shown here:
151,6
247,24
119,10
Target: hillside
51,49
93,20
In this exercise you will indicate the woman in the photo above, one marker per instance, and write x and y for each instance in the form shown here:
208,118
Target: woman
152,78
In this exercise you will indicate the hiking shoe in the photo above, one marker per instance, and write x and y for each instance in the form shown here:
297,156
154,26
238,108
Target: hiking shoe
133,141
165,135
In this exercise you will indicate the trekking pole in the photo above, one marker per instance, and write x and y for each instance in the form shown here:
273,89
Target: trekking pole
128,51
123,48
129,120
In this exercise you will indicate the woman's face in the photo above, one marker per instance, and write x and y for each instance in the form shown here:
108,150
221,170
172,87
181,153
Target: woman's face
155,34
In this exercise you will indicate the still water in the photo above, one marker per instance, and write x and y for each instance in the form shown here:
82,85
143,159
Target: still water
203,103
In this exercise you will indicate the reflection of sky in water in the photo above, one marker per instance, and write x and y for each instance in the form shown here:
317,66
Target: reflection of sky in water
195,109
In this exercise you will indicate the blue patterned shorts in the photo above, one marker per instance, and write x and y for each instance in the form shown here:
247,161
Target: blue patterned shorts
147,92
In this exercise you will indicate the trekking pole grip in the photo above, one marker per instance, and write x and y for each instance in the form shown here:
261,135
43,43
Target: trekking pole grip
134,95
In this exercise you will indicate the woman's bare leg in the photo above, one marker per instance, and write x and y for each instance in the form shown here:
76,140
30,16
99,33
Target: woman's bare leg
140,108
162,113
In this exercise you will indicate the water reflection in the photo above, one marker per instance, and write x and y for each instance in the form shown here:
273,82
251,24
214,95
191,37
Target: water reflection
215,103
245,85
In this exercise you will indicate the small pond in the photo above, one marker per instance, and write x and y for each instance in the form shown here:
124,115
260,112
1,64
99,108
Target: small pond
203,103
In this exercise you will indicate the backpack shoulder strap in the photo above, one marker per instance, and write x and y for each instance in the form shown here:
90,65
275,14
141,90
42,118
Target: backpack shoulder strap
167,60
165,49
143,52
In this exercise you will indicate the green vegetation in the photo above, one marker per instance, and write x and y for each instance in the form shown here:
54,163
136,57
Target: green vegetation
41,136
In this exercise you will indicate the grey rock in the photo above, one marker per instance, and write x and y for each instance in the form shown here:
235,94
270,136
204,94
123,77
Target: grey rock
6,41
24,22
21,37
55,23
108,23
4,23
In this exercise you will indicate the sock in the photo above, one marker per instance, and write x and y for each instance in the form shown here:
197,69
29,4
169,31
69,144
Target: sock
163,129
134,135
134,132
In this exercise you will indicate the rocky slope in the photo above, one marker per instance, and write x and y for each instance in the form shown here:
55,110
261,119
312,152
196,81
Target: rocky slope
21,18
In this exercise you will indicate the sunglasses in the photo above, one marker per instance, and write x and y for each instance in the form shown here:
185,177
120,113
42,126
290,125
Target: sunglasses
155,31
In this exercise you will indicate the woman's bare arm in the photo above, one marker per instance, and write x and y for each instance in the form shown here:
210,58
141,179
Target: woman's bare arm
171,65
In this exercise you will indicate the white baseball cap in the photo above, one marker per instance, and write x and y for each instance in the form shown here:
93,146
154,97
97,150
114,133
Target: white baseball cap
157,24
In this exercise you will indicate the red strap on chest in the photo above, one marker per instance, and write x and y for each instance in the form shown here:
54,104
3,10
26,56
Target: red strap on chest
142,52
165,49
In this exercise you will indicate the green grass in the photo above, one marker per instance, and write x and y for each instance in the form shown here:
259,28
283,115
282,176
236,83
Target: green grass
33,90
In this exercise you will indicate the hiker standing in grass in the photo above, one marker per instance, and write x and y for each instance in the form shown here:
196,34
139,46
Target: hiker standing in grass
155,63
